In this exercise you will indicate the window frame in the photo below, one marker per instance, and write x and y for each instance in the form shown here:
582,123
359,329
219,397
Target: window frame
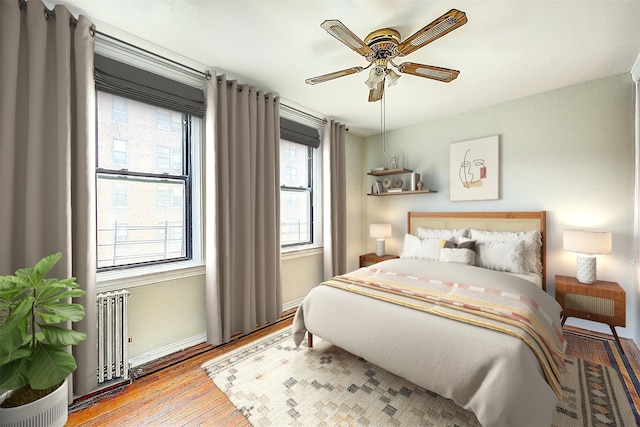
300,128
306,189
185,177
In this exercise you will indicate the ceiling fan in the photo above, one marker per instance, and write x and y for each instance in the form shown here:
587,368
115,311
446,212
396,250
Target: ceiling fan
382,46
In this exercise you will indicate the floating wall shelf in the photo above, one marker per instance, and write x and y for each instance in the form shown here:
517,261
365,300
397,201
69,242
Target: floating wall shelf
387,172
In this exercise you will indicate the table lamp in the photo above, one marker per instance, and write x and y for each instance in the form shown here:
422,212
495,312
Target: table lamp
380,232
587,244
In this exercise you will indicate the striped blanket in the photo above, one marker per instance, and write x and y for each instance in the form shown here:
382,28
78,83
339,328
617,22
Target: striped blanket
494,309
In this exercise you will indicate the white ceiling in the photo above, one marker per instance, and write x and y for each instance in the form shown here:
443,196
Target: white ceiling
507,50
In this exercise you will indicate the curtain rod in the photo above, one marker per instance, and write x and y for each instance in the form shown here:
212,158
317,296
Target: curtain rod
93,31
50,13
304,113
206,74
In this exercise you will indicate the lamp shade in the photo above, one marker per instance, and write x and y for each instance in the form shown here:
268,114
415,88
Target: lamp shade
380,231
375,77
392,78
587,241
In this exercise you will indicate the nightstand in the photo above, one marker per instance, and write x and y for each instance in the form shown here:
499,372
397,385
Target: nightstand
602,301
371,258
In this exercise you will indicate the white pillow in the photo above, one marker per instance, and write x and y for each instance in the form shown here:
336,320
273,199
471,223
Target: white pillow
416,248
532,241
501,256
442,233
463,252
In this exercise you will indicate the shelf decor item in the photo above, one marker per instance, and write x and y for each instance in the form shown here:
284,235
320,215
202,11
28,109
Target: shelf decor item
380,232
386,183
389,190
586,244
393,161
415,178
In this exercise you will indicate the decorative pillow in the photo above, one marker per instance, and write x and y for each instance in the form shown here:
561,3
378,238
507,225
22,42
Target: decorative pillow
532,241
416,248
442,233
463,252
501,256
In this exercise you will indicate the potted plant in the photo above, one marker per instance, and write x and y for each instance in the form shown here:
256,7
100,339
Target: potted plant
34,361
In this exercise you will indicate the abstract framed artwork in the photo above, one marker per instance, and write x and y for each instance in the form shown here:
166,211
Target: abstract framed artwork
474,171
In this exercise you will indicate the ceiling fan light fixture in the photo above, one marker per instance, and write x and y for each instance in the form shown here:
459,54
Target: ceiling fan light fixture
434,32
429,71
437,74
338,33
381,46
326,77
338,30
375,77
392,78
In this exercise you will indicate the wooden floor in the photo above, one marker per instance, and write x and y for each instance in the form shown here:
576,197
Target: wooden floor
182,394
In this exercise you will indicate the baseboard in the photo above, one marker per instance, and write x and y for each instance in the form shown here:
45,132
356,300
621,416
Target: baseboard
166,350
174,347
292,304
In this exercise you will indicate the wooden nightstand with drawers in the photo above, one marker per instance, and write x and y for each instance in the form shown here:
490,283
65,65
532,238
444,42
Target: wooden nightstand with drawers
371,258
602,301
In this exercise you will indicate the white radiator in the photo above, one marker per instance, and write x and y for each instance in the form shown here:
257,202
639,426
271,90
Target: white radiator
112,336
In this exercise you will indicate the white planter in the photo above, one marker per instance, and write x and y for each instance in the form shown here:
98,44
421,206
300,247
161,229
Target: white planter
50,411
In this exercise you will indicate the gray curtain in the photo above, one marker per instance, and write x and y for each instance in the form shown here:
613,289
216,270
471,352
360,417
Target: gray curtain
335,200
243,288
47,154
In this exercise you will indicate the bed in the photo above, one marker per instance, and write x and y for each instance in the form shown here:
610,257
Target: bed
489,340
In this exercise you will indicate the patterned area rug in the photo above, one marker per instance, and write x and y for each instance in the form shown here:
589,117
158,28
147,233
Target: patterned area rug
275,384
627,371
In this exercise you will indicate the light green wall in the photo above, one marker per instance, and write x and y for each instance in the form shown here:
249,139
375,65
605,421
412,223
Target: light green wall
164,313
569,152
355,200
299,275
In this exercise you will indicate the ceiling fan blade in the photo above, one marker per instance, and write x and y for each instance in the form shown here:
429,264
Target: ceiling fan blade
428,71
326,77
438,28
376,93
338,30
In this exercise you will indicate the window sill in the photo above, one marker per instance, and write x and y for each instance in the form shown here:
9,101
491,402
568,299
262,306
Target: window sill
143,276
301,251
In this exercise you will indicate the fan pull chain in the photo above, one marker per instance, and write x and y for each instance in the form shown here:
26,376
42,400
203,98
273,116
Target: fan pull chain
383,124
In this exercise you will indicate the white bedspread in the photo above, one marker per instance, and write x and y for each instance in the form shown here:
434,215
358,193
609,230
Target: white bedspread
495,375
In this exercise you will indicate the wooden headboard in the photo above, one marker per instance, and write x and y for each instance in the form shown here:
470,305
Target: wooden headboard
490,221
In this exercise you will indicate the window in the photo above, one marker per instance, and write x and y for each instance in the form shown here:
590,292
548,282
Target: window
120,151
119,109
168,121
148,167
170,196
299,184
143,210
119,192
169,158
